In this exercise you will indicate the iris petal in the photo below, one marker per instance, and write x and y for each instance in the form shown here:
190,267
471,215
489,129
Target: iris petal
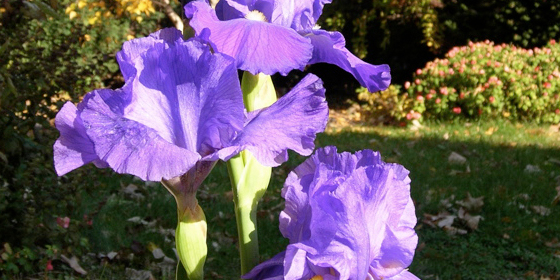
128,146
298,14
191,97
348,216
272,269
290,123
258,47
73,148
329,47
134,48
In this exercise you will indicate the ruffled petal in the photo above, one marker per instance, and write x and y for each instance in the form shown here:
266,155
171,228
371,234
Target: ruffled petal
298,14
351,213
189,96
272,269
292,122
258,47
132,49
128,146
329,47
397,248
73,148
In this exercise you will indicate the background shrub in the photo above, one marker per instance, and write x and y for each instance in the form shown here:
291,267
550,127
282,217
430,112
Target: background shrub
48,56
480,80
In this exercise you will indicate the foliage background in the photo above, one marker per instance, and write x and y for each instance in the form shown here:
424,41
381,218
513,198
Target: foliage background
55,51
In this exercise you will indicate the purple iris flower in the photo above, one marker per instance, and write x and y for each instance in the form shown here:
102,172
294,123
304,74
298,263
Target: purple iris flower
347,216
276,36
180,110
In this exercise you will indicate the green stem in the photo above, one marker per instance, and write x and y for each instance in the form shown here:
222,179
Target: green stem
245,214
248,238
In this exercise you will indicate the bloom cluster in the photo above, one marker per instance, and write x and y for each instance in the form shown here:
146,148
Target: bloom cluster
183,107
479,80
488,80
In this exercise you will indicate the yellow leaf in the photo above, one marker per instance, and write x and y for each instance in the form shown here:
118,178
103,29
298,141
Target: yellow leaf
81,4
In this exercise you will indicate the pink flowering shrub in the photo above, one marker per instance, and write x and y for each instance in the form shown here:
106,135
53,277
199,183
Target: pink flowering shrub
484,80
487,80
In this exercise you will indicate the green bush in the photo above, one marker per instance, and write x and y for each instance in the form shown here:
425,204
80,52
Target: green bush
482,80
46,59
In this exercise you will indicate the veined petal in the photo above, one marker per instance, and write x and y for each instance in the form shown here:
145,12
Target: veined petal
292,122
132,49
298,14
397,248
258,47
191,97
351,213
329,47
73,148
128,146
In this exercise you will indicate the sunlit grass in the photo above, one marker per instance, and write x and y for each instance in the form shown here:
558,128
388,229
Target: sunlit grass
510,242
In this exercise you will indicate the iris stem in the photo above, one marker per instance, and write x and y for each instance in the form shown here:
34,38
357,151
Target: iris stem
246,216
250,179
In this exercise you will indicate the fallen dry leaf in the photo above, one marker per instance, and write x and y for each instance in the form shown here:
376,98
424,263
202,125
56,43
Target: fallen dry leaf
541,210
447,202
531,169
440,220
471,204
73,263
111,255
471,221
456,158
134,274
446,221
454,231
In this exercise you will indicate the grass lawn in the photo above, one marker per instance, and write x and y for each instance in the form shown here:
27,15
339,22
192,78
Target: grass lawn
511,172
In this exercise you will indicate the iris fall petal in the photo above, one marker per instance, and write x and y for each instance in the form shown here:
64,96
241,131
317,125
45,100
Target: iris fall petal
258,47
329,47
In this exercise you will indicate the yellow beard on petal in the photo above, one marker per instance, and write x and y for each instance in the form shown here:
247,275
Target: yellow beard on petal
256,15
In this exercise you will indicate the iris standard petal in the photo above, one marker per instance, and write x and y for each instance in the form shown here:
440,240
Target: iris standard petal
292,122
73,148
191,97
329,47
258,47
298,14
132,49
128,146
